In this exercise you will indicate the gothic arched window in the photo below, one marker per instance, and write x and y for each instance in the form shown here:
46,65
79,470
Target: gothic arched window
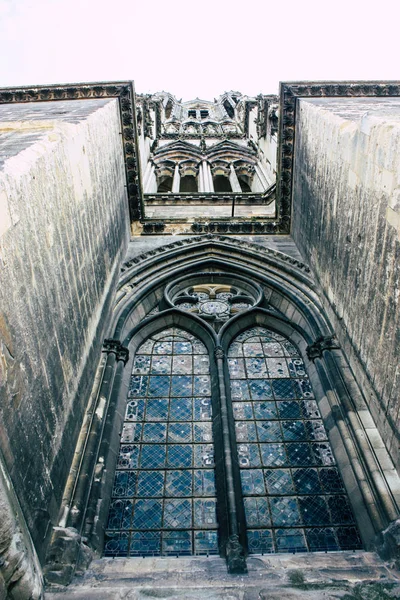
284,484
163,500
293,495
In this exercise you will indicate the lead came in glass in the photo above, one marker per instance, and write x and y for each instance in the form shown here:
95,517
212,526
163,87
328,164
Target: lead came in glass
164,500
294,498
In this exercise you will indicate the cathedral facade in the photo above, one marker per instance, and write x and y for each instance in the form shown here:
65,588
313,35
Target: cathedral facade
199,334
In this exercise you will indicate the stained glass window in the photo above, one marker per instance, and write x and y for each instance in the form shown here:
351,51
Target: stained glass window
294,497
163,500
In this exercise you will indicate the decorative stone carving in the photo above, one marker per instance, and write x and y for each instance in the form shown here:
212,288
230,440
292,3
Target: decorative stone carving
226,241
154,227
117,348
219,353
67,555
235,556
388,543
322,343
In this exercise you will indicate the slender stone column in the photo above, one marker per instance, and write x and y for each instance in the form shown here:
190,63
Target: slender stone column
262,175
235,555
259,180
146,174
177,180
208,181
234,180
202,187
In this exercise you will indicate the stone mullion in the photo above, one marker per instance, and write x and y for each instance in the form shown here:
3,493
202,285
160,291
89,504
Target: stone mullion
176,180
235,554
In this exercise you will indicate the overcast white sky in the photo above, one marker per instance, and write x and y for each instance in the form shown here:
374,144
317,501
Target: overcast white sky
197,47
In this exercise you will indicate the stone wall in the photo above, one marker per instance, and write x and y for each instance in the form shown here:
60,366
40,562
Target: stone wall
347,225
64,229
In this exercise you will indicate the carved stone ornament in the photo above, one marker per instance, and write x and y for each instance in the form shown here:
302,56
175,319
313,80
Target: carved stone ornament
322,343
67,555
226,241
124,92
219,352
289,93
115,346
235,556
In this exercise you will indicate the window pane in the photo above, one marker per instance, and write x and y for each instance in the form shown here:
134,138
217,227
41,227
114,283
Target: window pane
163,500
294,498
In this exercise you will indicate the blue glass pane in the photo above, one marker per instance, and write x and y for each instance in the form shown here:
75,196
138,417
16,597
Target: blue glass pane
116,544
264,410
154,432
181,385
177,514
180,432
240,390
180,409
161,364
206,542
145,543
252,482
257,512
202,409
128,456
260,541
179,483
134,410
306,481
205,512
284,511
290,540
180,456
152,457
202,385
204,482
283,388
147,514
151,483
177,542
159,385
138,386
278,481
157,409
242,410
260,389
124,483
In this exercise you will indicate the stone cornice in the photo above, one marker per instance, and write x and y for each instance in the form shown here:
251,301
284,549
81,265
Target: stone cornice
290,92
121,90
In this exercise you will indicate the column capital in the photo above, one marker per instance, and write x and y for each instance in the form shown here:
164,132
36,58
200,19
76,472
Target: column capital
115,346
219,352
324,342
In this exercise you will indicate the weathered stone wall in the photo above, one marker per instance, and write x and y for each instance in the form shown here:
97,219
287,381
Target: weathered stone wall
64,229
347,225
